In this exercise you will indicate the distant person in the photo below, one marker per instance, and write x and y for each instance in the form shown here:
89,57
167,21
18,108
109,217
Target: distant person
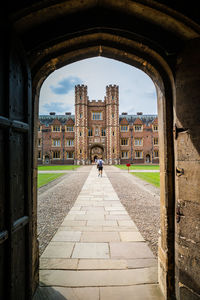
100,166
97,163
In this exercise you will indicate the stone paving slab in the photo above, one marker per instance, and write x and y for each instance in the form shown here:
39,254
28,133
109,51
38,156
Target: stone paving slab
91,250
58,250
130,250
136,292
102,264
102,223
117,217
131,237
58,263
67,236
62,293
142,263
100,237
98,249
98,277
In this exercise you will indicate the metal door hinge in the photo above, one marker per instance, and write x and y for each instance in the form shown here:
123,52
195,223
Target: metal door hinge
178,130
179,171
178,214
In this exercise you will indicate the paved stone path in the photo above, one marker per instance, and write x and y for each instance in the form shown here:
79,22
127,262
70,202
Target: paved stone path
121,171
98,252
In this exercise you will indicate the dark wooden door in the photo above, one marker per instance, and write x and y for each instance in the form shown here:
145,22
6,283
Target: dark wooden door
15,171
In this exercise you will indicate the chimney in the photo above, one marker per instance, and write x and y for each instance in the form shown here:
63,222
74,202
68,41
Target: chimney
68,114
52,113
124,113
139,113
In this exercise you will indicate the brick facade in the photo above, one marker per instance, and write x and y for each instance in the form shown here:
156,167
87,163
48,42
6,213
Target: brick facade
97,130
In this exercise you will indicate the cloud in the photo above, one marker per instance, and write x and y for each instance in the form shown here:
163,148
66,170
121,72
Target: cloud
66,85
57,107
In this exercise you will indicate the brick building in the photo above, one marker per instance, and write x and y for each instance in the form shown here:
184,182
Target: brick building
97,130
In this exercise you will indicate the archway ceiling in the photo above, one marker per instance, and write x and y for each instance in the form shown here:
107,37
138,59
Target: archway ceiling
45,23
111,46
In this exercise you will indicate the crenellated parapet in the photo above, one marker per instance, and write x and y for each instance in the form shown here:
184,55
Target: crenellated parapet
81,93
112,94
98,103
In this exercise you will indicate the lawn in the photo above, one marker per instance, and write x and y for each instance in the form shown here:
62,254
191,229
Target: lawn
45,178
151,177
139,167
60,167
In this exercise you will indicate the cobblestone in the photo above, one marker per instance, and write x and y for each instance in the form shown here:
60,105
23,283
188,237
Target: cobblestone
55,200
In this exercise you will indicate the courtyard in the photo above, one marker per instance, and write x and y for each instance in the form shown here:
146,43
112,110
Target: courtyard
98,236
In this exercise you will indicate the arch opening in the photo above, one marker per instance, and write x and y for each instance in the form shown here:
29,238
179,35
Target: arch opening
156,67
158,37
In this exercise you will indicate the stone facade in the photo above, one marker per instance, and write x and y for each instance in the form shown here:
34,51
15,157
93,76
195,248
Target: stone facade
97,130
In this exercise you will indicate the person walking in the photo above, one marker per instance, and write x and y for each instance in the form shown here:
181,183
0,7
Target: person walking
100,166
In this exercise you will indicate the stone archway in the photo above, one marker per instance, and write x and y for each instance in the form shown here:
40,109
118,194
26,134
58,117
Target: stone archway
96,151
164,86
148,158
161,39
46,159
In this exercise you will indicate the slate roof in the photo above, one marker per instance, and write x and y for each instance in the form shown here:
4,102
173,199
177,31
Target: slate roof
146,119
138,121
48,119
124,121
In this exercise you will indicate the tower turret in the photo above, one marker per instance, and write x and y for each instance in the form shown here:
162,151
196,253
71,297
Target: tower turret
112,123
81,123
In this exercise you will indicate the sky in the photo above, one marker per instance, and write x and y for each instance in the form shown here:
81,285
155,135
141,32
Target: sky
137,92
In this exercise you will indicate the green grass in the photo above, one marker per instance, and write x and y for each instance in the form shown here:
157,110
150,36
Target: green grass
45,178
151,177
60,167
139,167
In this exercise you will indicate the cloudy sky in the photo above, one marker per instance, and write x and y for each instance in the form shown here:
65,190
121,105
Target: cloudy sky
136,90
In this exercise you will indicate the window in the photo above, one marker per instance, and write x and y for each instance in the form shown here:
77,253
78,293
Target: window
112,115
56,128
81,116
113,133
39,155
70,155
96,116
89,132
56,142
124,142
39,142
56,154
155,127
138,141
39,128
138,154
96,131
80,133
138,127
113,150
70,143
69,128
155,141
124,128
156,154
124,154
103,132
80,151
